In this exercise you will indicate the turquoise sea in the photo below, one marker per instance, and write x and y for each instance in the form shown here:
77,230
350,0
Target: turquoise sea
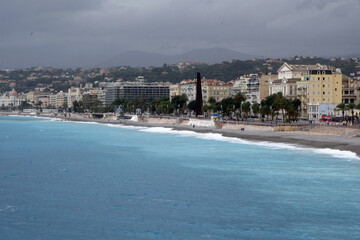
72,180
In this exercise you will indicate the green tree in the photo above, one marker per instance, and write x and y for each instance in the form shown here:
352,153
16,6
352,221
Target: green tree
245,107
227,106
265,111
179,102
256,108
207,109
118,102
342,107
192,105
212,100
282,104
351,107
238,99
78,106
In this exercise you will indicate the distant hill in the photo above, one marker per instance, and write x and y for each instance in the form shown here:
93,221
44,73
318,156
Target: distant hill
144,59
357,55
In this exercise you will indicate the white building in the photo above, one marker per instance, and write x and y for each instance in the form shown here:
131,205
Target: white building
288,75
249,85
10,99
73,95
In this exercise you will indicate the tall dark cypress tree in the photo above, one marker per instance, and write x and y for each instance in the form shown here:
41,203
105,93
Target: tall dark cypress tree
199,101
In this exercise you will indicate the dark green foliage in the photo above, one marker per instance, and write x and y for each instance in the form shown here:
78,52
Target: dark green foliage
275,103
342,107
62,79
245,107
192,105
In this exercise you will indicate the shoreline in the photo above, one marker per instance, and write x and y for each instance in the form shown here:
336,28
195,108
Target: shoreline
295,138
291,138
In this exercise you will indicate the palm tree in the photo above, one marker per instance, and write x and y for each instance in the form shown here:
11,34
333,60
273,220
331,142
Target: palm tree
358,107
238,99
342,107
265,110
246,108
351,107
256,108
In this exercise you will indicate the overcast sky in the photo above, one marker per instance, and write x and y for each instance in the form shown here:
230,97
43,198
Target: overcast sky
80,32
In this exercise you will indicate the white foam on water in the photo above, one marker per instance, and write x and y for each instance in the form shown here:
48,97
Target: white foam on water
125,126
83,122
27,116
218,137
7,208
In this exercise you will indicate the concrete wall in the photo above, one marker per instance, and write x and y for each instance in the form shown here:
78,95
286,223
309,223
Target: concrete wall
245,126
163,120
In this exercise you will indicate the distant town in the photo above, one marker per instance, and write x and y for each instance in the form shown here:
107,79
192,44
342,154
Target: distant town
308,88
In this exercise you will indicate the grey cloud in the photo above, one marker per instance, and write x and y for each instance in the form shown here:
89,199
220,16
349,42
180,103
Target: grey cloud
83,31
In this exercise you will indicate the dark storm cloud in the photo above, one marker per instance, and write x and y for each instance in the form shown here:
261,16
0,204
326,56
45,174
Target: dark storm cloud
80,32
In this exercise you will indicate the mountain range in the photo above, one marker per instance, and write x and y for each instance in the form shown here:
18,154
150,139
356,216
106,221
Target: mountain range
144,59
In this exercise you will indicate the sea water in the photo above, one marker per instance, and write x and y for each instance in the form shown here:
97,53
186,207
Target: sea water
71,180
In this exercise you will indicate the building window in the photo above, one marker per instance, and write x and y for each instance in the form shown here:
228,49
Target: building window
323,85
335,89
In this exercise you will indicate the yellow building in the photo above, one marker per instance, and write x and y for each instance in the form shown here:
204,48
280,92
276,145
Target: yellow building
264,85
217,90
210,88
324,93
325,87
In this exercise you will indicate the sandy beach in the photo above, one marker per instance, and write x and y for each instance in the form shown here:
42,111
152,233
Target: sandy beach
294,138
298,138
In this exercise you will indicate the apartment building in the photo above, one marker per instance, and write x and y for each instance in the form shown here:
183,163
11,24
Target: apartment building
324,92
350,90
133,90
211,88
249,85
288,76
